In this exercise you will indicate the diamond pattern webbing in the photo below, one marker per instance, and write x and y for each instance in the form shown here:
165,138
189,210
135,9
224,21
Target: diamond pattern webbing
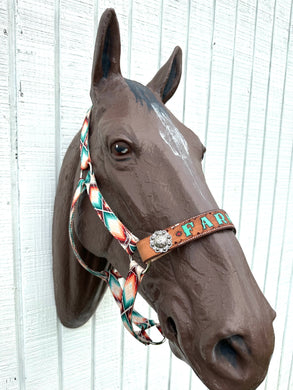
126,239
125,297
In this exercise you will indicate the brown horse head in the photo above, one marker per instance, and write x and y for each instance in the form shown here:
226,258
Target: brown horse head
148,167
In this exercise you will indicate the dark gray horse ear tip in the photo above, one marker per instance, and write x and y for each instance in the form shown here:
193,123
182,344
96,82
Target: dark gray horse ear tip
108,16
108,13
177,50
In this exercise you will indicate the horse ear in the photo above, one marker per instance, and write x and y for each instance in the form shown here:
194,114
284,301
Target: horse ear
106,59
168,77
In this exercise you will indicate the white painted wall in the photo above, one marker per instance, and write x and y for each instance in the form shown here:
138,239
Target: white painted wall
237,95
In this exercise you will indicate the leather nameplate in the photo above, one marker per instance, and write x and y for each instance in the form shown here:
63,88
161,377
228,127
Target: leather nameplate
161,242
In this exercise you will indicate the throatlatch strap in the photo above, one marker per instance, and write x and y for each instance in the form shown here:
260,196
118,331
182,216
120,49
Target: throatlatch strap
158,244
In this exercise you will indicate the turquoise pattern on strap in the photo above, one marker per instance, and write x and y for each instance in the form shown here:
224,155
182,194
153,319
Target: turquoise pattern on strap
125,298
125,238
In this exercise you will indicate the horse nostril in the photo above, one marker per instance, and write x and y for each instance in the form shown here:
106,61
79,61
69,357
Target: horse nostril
232,349
171,326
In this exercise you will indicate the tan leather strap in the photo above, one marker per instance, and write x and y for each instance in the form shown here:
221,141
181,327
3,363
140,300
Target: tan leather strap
163,241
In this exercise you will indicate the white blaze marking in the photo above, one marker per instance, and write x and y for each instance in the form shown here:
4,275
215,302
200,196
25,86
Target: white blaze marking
175,140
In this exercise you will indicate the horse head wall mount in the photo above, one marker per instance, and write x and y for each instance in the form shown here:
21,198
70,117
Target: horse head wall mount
148,167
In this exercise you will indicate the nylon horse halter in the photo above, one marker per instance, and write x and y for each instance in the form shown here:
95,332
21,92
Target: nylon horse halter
150,248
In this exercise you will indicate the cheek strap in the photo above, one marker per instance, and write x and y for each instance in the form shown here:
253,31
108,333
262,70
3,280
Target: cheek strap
161,242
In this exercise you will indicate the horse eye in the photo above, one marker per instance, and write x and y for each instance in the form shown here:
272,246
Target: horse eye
120,149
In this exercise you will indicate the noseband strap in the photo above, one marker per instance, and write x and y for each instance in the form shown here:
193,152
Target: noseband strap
162,241
150,248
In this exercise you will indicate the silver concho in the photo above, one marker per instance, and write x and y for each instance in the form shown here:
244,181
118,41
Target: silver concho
161,241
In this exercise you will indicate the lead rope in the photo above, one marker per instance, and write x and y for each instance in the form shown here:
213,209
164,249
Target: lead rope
125,297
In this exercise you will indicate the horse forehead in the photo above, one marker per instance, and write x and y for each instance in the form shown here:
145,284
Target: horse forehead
150,125
135,109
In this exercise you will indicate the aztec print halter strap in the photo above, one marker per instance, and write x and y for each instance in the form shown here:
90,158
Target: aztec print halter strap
125,238
150,248
125,297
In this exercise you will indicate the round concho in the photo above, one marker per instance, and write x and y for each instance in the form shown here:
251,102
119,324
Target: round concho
160,241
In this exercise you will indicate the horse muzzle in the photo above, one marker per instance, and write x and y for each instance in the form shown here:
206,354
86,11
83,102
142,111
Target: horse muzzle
225,360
